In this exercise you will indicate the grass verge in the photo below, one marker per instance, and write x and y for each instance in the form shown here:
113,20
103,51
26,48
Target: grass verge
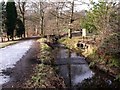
45,75
4,44
107,63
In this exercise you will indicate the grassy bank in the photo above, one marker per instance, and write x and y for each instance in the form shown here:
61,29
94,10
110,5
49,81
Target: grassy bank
4,44
107,63
45,75
71,43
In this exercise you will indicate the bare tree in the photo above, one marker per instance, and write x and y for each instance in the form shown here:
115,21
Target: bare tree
40,8
65,11
22,9
57,8
53,17
71,19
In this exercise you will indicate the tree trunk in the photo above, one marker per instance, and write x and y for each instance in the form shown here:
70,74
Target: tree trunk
71,20
22,10
12,38
57,17
1,39
41,18
24,25
8,38
42,25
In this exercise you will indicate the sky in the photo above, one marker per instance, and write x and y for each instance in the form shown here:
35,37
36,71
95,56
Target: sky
78,7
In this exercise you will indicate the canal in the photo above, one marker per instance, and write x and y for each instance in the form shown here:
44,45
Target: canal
76,72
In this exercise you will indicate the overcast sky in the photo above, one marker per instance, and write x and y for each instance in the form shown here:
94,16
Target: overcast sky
78,7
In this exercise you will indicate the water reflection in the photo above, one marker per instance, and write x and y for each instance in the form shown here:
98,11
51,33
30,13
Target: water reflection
80,72
69,68
73,73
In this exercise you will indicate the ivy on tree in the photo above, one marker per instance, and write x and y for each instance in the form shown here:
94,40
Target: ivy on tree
11,15
19,28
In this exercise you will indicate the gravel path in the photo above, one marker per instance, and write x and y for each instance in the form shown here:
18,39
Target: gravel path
16,63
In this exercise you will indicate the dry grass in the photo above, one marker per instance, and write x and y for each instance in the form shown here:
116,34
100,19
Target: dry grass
4,44
72,44
45,76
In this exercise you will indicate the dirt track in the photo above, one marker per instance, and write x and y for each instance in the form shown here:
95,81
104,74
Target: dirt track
23,69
